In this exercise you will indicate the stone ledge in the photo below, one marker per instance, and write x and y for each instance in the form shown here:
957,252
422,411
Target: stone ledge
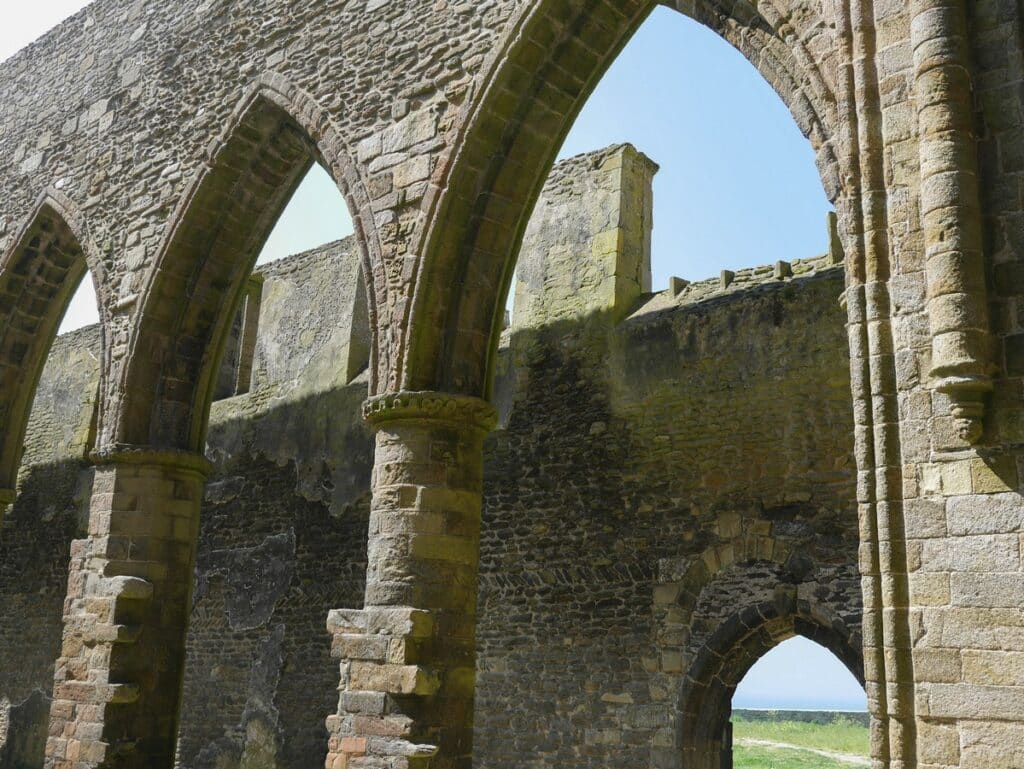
145,455
392,679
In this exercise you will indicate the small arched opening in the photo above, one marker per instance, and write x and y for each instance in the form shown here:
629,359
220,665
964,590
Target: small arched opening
725,661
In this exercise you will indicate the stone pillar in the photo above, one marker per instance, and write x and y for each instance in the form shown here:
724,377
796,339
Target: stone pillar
408,658
118,680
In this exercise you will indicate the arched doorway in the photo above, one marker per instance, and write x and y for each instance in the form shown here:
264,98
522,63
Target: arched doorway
274,501
477,225
542,75
38,278
726,659
799,700
153,432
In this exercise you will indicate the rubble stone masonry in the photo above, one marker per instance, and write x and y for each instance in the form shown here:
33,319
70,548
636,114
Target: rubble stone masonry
667,446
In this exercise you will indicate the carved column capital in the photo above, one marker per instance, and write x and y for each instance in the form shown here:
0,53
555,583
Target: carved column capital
448,408
125,454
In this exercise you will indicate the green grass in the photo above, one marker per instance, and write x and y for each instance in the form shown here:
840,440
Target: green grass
842,737
769,758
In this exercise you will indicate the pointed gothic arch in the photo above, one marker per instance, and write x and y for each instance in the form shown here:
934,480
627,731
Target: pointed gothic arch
718,667
536,84
274,136
39,274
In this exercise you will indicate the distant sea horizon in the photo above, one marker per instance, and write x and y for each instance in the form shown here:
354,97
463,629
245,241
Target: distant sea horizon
800,710
800,704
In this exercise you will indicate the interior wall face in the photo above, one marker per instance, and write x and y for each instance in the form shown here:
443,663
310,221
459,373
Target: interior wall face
652,481
35,543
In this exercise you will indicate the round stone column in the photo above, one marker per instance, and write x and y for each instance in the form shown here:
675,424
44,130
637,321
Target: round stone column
408,669
117,687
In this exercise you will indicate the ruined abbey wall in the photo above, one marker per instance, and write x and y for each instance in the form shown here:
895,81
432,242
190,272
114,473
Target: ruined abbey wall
154,144
672,478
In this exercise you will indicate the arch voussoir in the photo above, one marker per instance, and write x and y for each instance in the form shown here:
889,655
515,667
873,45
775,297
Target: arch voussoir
275,133
535,84
39,273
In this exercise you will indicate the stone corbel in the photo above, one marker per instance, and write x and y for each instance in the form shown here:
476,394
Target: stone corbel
957,303
7,497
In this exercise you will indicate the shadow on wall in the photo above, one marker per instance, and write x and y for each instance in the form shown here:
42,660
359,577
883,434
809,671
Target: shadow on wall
658,477
282,542
275,556
584,504
35,545
707,425
26,725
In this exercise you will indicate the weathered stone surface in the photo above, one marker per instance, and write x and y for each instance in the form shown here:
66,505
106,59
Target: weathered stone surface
645,401
154,144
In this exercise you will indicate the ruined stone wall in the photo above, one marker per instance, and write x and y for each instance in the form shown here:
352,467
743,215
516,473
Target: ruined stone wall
656,480
913,110
439,117
648,490
283,529
35,541
667,464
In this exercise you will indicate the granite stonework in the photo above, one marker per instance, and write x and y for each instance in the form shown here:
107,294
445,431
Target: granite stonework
637,513
153,145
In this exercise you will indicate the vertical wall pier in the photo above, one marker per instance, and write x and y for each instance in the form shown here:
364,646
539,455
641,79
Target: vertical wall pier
408,658
958,312
117,686
587,248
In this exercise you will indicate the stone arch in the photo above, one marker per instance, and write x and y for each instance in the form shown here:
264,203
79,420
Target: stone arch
274,136
538,80
705,703
742,539
715,650
39,274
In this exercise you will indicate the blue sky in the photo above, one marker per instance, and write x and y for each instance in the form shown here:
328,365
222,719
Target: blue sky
737,187
798,674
